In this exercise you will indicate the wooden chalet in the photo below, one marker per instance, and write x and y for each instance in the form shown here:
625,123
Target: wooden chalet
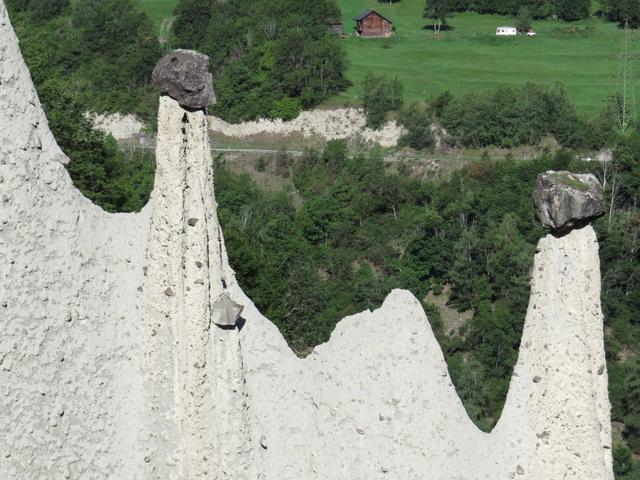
371,24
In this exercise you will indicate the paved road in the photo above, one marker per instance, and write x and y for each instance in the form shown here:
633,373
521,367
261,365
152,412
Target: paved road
294,153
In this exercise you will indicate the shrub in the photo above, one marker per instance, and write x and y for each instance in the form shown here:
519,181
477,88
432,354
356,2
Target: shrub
283,163
622,461
599,132
509,117
417,123
436,105
42,10
380,95
571,10
524,19
261,164
287,108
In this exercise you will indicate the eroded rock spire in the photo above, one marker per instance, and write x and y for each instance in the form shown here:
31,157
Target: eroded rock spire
193,368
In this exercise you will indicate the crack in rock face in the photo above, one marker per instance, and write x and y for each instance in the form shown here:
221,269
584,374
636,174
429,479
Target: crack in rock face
185,75
566,200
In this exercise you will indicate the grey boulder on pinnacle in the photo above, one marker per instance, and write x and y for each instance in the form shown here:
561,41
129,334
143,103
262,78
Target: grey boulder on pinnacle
566,200
185,75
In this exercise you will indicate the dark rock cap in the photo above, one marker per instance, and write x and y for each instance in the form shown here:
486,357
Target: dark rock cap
185,75
566,200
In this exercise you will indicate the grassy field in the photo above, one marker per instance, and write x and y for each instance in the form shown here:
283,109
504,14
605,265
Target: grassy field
469,57
582,55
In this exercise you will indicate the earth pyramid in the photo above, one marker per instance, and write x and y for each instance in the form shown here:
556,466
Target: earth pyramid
115,363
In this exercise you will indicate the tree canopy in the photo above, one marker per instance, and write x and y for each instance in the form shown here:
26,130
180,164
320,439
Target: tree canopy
100,52
565,9
622,11
439,11
270,59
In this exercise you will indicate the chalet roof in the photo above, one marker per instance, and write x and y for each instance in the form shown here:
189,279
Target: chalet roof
366,13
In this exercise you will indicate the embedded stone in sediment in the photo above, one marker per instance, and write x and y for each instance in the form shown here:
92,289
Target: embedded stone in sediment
566,200
185,75
225,312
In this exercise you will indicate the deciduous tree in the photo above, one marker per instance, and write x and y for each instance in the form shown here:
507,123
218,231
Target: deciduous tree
380,95
438,11
571,10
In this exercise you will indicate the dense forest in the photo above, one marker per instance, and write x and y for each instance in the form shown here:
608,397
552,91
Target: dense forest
361,228
564,9
269,59
99,52
616,10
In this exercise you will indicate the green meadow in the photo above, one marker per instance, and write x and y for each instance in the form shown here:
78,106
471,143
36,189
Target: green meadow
584,56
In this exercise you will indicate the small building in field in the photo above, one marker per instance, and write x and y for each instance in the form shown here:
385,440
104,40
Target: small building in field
506,31
335,27
371,24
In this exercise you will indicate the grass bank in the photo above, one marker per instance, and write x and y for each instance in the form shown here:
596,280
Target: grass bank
469,57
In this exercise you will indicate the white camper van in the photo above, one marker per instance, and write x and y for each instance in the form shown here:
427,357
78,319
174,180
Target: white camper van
506,31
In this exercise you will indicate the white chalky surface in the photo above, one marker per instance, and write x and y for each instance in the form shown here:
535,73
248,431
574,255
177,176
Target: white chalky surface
119,126
336,124
70,380
110,366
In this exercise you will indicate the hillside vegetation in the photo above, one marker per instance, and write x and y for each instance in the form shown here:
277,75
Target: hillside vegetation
92,55
269,59
98,52
363,230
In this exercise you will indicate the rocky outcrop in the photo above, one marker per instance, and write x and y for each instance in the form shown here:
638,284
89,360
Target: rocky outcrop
558,407
566,200
121,127
185,76
336,124
112,365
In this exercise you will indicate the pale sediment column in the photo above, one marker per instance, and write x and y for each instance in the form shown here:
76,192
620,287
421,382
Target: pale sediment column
557,412
194,370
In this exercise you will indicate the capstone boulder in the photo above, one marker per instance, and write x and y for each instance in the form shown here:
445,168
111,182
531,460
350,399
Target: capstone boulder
566,200
185,75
